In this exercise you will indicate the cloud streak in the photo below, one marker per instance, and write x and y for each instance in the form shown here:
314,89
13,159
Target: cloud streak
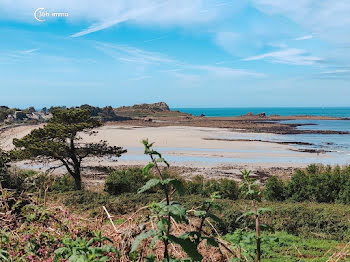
305,37
291,56
129,54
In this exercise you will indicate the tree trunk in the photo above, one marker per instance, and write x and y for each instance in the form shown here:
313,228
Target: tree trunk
77,177
77,181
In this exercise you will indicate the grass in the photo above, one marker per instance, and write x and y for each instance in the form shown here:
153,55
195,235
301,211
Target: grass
323,221
305,249
295,248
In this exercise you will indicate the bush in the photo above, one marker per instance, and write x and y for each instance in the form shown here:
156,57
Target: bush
16,179
317,183
226,188
64,183
125,181
4,164
275,189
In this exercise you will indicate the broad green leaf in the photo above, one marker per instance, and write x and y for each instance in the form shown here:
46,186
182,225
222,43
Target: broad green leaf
177,184
177,211
162,224
188,246
249,213
147,168
200,213
150,184
211,241
141,237
214,217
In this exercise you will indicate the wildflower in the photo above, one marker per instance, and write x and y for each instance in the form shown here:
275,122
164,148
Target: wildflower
25,238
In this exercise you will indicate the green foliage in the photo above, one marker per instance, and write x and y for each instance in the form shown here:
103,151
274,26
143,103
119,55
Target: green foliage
163,213
281,247
275,189
316,183
105,114
85,250
4,165
125,181
4,112
30,232
250,191
63,184
226,188
17,180
59,140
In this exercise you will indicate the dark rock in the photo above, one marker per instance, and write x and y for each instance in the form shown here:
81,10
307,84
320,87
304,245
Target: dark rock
261,115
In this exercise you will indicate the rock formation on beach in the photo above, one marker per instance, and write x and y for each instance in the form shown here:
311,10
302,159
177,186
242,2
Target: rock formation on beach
148,110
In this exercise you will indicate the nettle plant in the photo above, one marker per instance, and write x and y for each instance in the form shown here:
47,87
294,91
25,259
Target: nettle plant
167,213
251,192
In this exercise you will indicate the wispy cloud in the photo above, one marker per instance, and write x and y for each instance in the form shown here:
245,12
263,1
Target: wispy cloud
106,24
129,54
137,78
169,12
290,56
329,19
155,39
16,56
29,51
336,71
221,71
305,37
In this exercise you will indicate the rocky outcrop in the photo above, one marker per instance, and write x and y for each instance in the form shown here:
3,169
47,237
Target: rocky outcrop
159,107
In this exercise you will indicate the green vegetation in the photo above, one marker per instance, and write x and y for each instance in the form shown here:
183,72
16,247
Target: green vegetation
125,181
284,247
30,232
59,140
131,179
317,183
158,216
226,188
4,112
169,213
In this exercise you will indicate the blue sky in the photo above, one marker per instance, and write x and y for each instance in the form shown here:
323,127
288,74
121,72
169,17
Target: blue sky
198,53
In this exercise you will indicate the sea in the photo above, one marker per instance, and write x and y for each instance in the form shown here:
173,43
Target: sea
282,111
337,146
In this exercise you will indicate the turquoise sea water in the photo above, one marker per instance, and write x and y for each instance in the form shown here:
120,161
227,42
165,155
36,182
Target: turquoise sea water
337,145
283,111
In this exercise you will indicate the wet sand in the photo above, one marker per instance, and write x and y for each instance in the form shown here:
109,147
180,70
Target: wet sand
207,151
188,146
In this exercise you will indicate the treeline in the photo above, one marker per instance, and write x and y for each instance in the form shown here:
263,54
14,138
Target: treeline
316,183
104,114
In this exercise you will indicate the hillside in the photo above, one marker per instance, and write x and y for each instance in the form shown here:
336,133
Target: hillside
148,110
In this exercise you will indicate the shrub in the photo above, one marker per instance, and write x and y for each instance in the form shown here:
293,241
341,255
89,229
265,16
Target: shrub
316,183
63,184
16,179
125,181
4,175
226,188
275,189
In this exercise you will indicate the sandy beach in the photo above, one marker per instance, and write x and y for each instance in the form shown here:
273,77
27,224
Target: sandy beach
195,150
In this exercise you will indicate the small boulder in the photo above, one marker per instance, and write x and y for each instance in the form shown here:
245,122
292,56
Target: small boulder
261,115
